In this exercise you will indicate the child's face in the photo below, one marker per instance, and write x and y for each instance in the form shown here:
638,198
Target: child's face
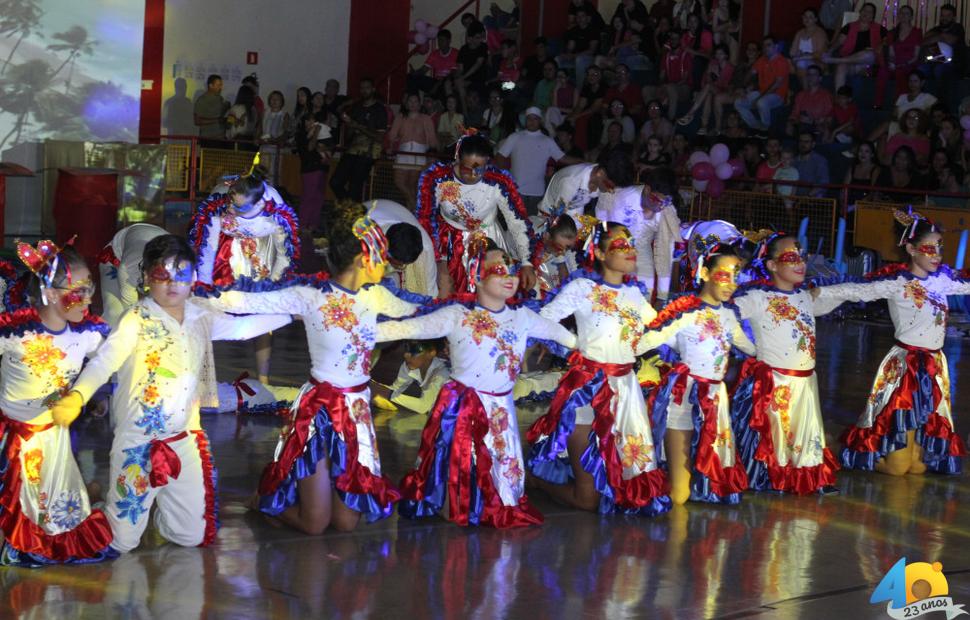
786,159
788,265
927,252
71,299
620,254
499,279
843,101
721,281
562,241
418,360
170,284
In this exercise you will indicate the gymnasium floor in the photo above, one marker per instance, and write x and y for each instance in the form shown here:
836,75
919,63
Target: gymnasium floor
770,557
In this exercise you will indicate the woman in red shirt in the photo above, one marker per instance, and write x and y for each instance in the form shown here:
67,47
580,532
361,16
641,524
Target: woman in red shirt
698,41
717,80
903,42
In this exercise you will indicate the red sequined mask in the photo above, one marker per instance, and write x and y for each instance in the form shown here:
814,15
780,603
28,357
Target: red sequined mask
930,250
77,294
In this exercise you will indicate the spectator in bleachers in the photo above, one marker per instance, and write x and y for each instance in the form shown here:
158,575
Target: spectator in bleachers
733,127
209,109
637,22
717,81
865,170
564,100
575,6
676,74
366,121
451,122
626,91
564,138
772,71
473,108
631,11
809,44
742,77
949,138
813,105
751,156
901,175
903,45
857,47
253,83
495,119
472,68
318,110
770,163
652,156
333,102
510,65
242,119
314,142
938,160
438,65
590,103
698,41
613,144
275,124
812,167
683,9
623,46
913,135
534,66
832,13
616,112
654,44
726,26
950,181
542,93
302,107
914,99
530,151
581,44
679,153
661,9
656,124
951,32
787,171
846,123
413,133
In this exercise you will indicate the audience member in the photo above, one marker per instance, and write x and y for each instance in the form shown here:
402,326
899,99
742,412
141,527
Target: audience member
365,120
772,70
717,81
857,47
209,109
903,57
813,105
411,135
812,167
530,151
676,74
809,44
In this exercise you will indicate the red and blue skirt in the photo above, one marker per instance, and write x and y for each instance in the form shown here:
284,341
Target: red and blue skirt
332,423
911,392
777,418
620,455
470,453
706,411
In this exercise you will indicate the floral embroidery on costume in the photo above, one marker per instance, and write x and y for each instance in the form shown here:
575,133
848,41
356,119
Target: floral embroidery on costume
67,510
153,419
636,452
132,486
804,330
711,327
451,194
42,356
482,325
339,312
250,250
361,412
506,359
32,464
604,300
889,375
780,402
916,292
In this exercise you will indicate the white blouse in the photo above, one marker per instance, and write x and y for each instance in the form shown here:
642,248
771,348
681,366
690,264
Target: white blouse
571,186
917,306
487,347
610,318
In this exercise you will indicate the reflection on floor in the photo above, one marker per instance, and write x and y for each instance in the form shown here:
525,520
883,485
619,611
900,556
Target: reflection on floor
770,557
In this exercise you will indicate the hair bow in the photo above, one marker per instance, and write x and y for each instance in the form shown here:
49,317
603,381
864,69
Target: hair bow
42,261
910,219
373,243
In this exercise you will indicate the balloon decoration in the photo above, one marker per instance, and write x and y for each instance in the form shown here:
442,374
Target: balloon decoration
965,121
422,35
711,170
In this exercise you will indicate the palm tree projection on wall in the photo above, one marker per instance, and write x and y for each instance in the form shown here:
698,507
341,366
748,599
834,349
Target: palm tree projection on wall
20,18
74,41
19,93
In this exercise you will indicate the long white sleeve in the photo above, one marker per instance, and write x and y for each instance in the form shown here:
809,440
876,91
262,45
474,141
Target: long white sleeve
741,341
429,394
388,304
518,228
545,329
299,300
119,346
956,285
570,298
231,327
857,291
436,324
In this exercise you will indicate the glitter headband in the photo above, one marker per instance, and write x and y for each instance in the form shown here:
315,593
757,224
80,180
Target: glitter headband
706,248
470,131
593,240
42,261
373,243
910,219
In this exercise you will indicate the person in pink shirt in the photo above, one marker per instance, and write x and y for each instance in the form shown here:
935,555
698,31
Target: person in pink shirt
439,64
903,42
717,80
845,118
675,76
813,105
913,135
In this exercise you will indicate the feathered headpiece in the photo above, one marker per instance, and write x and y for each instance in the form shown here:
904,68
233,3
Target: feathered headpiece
703,249
763,238
477,248
42,261
552,218
373,243
910,219
230,178
593,240
465,133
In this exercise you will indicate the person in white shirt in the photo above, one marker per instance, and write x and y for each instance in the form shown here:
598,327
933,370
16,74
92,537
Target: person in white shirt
418,380
530,150
120,266
411,263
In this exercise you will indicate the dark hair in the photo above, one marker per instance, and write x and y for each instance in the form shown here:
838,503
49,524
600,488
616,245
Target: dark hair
723,251
164,247
68,258
845,91
250,187
564,224
773,245
663,180
212,79
444,32
948,7
909,152
251,79
817,69
474,29
245,97
604,236
368,80
299,110
417,347
923,228
404,243
724,48
769,37
619,167
869,4
475,145
276,92
812,11
344,248
540,41
917,72
509,43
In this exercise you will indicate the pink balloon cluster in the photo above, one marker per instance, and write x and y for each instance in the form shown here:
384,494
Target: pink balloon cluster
965,123
711,170
422,35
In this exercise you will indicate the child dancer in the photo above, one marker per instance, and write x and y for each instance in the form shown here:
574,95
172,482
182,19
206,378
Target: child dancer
690,410
160,454
470,447
598,416
775,407
45,513
907,426
558,237
248,233
461,203
120,266
331,418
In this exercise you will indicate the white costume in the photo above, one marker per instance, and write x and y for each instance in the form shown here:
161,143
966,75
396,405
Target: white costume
428,385
160,452
474,415
621,458
120,267
45,513
421,276
570,185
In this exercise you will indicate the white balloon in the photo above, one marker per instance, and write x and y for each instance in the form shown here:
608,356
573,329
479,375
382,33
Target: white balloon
700,185
720,153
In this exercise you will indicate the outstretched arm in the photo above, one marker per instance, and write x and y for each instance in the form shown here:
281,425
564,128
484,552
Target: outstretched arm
434,325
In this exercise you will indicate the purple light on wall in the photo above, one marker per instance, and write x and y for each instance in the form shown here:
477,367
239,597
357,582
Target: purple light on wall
109,113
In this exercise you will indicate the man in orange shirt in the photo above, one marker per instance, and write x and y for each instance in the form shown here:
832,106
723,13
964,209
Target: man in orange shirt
772,70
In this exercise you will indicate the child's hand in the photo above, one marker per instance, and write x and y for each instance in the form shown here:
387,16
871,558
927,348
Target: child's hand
67,409
814,292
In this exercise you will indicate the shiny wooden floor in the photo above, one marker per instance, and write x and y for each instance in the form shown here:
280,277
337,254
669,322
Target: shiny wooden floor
770,557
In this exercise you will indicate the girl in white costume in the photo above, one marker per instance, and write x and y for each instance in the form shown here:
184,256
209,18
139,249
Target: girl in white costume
690,412
907,426
160,454
595,449
775,406
470,450
45,513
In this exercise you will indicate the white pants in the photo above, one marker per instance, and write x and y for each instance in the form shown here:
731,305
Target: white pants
181,513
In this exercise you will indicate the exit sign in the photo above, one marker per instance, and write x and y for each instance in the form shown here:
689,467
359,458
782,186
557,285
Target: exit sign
252,58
